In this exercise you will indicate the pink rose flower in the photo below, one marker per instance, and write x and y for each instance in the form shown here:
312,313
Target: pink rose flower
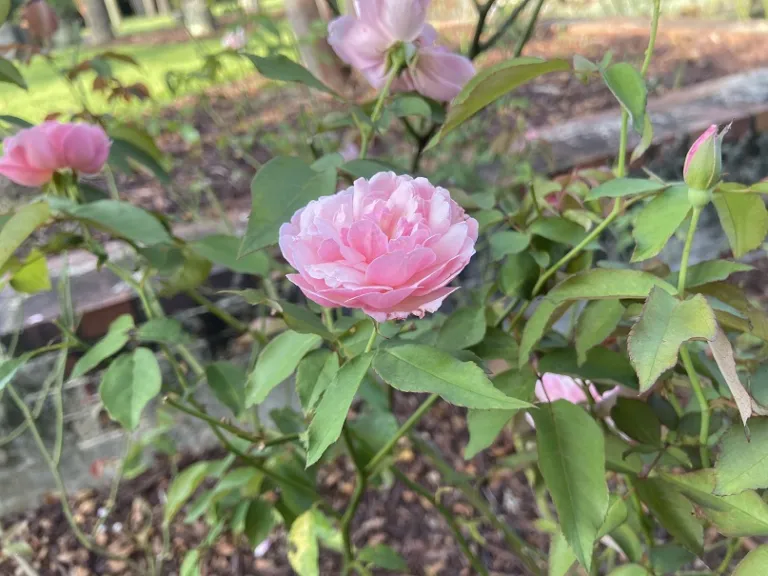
388,245
32,155
364,41
554,387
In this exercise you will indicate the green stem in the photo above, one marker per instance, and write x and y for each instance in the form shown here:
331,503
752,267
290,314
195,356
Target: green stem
652,37
687,252
447,516
232,429
361,483
528,556
733,546
685,355
225,316
368,131
373,466
621,163
59,482
698,391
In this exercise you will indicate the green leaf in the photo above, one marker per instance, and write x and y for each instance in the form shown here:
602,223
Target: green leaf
363,168
259,521
709,271
490,85
227,382
302,319
223,249
658,221
754,563
298,185
19,226
617,457
5,10
561,557
120,218
743,463
162,330
637,420
9,367
182,488
630,570
113,341
32,276
621,187
673,511
485,425
464,328
15,121
669,558
722,352
486,218
596,323
276,362
645,141
616,516
284,69
572,462
744,219
313,375
383,556
190,565
561,231
303,550
131,146
665,324
410,105
518,275
10,74
417,368
628,87
331,413
595,284
744,514
497,345
130,382
194,270
508,242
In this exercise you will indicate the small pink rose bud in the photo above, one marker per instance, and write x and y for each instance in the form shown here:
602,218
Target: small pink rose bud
704,161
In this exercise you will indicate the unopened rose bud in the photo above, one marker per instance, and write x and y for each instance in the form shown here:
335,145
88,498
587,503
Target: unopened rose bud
704,164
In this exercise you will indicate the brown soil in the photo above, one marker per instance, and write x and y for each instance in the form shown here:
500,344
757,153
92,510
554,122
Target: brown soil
390,514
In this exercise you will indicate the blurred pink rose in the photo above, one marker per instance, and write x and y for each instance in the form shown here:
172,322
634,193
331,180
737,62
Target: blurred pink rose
388,245
364,42
235,39
32,155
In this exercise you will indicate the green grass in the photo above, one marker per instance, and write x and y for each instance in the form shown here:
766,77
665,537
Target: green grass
49,92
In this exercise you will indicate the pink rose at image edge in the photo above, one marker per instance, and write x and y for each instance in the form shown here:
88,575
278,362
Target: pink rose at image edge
388,245
32,155
364,40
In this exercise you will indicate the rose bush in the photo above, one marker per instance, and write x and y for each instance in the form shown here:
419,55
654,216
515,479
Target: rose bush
645,453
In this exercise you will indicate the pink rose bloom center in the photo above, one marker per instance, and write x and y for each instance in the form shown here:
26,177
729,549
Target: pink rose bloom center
388,246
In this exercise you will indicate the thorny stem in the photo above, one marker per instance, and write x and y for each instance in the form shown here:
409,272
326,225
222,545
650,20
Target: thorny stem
363,472
225,316
447,516
259,441
528,556
59,481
